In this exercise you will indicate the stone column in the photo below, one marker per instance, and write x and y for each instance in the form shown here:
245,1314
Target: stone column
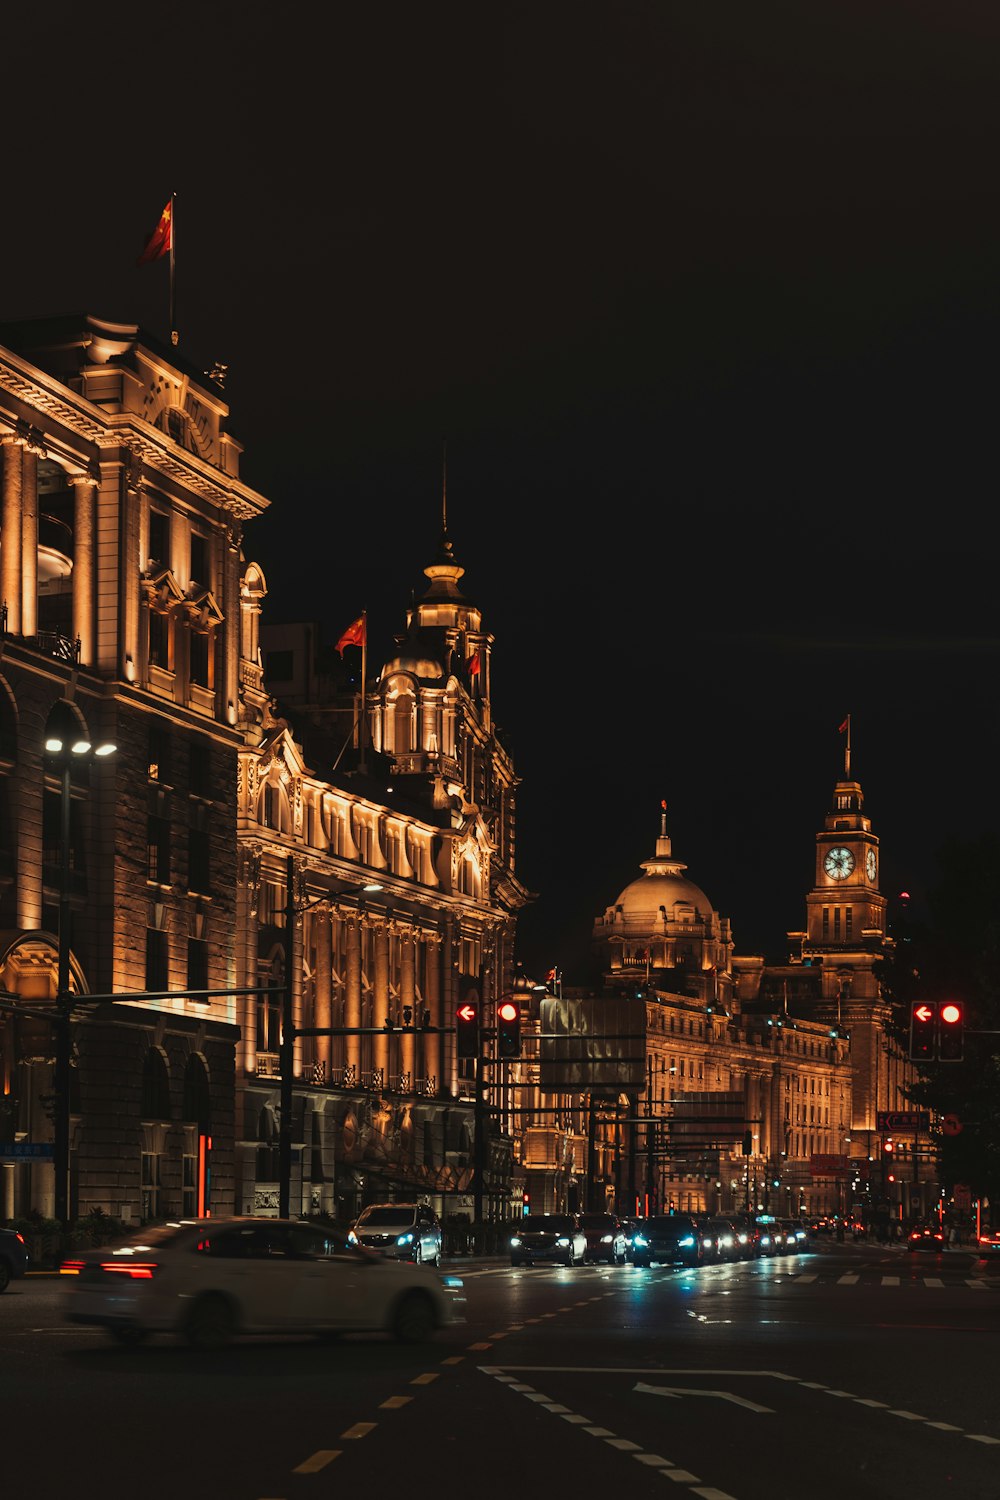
431,1063
83,577
381,999
352,1007
324,986
407,996
10,531
29,542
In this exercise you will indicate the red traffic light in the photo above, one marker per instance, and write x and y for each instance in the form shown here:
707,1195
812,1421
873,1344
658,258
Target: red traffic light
925,1013
509,1010
508,1028
923,1030
467,1013
467,1030
951,1021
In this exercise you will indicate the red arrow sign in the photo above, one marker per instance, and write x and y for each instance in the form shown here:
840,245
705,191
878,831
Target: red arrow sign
467,1012
923,1013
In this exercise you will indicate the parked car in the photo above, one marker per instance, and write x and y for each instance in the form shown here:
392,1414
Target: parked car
402,1231
670,1239
13,1257
926,1237
988,1244
555,1237
605,1238
211,1279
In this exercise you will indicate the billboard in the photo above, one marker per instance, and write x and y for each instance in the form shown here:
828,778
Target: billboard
598,1046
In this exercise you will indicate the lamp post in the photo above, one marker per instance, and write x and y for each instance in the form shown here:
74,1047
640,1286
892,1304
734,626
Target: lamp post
64,752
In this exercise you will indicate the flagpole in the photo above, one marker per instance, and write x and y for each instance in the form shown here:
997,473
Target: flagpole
847,751
362,761
173,247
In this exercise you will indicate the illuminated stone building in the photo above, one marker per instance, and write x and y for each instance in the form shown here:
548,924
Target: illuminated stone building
121,517
377,858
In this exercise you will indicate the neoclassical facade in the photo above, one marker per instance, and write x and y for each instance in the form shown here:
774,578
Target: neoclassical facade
121,517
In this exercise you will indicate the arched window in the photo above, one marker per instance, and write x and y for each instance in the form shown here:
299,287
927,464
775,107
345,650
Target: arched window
155,1086
197,1107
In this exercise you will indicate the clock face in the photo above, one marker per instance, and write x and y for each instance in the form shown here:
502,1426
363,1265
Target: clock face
839,863
871,864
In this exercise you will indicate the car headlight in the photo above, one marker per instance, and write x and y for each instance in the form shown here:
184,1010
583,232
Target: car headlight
605,1239
405,1239
563,1243
352,1238
640,1240
686,1242
515,1240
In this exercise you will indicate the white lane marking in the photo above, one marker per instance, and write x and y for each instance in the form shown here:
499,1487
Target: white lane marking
890,1281
575,1417
944,1426
908,1416
980,1437
601,1432
976,1284
680,1476
674,1391
707,1493
848,1280
801,1279
652,1460
848,1395
862,1401
625,1444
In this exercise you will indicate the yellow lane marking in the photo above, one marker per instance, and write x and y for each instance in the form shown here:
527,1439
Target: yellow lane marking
317,1461
359,1430
501,1335
394,1402
424,1379
453,1359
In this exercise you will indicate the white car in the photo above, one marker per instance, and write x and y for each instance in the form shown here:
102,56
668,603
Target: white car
210,1279
402,1231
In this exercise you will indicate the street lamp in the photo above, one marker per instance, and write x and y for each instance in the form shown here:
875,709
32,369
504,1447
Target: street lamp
65,753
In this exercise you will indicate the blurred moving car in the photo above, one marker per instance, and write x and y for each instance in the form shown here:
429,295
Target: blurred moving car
557,1237
630,1228
13,1256
211,1279
402,1231
747,1235
925,1237
719,1240
670,1239
605,1239
772,1241
988,1243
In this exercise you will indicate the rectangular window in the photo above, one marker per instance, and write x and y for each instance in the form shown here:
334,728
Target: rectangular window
199,856
158,850
201,657
189,1168
150,1186
159,640
848,914
197,967
157,973
159,540
201,569
200,770
159,752
836,924
826,923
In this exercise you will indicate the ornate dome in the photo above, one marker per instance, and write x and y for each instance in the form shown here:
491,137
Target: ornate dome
662,891
419,654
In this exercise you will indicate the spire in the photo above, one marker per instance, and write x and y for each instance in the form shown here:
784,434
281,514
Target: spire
845,728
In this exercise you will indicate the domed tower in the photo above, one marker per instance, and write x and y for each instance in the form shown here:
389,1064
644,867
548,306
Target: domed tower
663,931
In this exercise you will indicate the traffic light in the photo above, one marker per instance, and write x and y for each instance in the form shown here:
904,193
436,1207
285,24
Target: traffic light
923,1030
509,1029
467,1030
951,1028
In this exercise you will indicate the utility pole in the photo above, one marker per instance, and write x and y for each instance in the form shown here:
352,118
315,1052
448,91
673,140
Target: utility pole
287,1059
479,1152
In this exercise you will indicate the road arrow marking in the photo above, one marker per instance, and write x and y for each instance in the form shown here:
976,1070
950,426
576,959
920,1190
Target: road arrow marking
681,1390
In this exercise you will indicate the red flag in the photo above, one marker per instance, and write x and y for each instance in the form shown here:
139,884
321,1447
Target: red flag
844,725
474,663
159,241
354,635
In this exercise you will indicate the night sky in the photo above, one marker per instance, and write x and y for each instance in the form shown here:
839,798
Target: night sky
702,300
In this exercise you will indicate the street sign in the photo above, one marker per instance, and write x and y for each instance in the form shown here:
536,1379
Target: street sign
962,1194
823,1165
897,1121
951,1125
27,1151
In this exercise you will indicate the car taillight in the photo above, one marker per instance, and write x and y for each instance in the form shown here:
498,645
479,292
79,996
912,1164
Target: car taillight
137,1270
19,1235
71,1268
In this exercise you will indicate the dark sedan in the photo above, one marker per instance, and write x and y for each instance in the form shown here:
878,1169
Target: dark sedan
555,1237
670,1239
13,1256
